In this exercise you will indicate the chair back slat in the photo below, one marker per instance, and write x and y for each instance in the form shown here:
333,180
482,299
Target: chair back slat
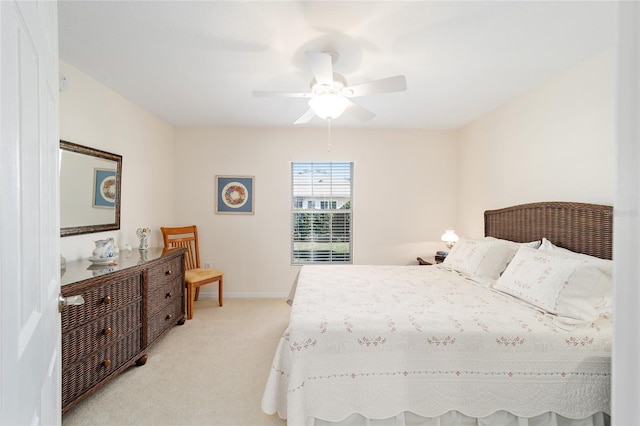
184,237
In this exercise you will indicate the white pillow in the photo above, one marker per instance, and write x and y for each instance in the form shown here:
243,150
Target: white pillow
604,264
481,258
566,286
534,244
549,246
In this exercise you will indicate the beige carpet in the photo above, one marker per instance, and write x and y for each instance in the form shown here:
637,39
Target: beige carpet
210,371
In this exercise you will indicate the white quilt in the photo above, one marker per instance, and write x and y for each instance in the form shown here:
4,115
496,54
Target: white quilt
381,340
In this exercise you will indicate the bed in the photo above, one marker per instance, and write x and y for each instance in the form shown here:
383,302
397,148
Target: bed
514,328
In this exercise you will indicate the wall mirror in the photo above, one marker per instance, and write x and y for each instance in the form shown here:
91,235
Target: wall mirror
89,189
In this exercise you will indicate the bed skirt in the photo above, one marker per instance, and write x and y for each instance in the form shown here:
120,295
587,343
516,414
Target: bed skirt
454,418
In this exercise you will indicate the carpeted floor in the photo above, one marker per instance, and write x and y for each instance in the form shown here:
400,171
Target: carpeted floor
210,371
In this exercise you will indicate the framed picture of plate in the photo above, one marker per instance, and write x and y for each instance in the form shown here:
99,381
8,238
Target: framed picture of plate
104,188
234,194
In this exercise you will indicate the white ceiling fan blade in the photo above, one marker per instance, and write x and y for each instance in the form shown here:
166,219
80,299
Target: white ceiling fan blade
321,67
359,112
306,117
270,94
385,85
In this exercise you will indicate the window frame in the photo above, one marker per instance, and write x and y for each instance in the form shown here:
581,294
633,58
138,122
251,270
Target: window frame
339,222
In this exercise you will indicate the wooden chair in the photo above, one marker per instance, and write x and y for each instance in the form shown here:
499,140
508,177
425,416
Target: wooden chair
194,275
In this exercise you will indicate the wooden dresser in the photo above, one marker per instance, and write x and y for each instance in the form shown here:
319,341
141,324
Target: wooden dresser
127,307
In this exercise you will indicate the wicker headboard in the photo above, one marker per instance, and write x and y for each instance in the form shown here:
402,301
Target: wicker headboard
579,227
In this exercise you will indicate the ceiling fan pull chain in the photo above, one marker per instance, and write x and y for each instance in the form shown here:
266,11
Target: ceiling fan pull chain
328,134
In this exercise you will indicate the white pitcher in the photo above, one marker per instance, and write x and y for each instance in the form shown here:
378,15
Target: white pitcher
105,249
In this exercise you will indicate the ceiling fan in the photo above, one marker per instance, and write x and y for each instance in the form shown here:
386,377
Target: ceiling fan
330,94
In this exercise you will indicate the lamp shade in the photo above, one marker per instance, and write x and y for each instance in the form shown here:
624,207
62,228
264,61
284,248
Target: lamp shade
328,105
449,237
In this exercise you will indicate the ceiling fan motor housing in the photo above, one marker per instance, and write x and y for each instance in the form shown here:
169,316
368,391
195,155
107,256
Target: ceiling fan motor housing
335,88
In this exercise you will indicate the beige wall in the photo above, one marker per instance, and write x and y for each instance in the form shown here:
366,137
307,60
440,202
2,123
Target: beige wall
93,115
404,196
554,143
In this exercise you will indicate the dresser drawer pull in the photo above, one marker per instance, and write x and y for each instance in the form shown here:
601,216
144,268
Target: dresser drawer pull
169,316
107,331
107,363
168,295
168,272
106,299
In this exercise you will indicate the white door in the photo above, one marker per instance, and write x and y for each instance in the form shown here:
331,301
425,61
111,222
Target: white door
29,218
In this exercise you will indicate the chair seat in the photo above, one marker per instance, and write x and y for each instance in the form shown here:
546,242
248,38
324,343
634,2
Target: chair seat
201,274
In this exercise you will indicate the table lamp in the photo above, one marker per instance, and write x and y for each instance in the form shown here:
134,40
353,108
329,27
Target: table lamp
449,237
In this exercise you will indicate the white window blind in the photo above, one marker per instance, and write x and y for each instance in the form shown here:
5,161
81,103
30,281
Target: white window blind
321,212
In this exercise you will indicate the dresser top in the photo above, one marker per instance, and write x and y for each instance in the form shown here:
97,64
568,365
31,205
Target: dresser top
83,269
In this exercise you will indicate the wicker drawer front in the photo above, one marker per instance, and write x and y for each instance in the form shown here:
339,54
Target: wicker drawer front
100,300
160,275
82,341
163,320
81,376
161,296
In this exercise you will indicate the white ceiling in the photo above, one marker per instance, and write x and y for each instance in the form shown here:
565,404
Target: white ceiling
196,63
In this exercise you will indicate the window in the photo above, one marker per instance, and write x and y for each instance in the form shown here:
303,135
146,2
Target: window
321,212
328,205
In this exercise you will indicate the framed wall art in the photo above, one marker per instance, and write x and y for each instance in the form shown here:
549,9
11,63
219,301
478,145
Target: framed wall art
234,194
104,188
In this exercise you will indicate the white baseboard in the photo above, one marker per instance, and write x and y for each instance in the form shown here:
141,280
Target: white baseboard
214,295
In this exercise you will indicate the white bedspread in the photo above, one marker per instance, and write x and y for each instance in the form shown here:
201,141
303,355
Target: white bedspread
382,340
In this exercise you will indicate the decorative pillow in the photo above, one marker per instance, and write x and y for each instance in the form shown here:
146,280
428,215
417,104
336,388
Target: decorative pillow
566,286
482,258
604,264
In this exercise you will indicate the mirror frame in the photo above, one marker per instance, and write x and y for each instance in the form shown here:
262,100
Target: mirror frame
88,229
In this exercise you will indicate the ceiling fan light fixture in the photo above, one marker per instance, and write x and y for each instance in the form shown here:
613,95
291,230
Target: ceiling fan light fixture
328,106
